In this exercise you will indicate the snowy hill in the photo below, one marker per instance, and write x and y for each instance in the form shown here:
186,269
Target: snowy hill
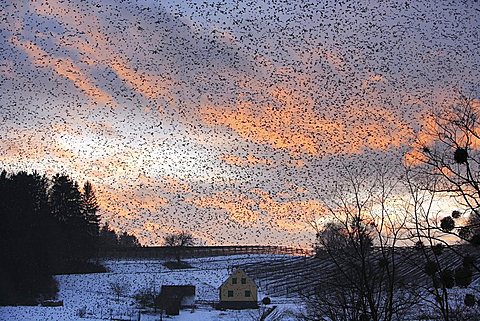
90,297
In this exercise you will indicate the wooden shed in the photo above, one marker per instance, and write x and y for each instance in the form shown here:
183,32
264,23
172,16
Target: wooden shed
238,292
174,297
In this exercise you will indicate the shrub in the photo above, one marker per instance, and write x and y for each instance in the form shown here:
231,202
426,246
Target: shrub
447,278
145,298
463,276
430,268
81,312
469,300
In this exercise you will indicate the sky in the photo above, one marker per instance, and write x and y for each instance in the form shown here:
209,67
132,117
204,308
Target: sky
228,119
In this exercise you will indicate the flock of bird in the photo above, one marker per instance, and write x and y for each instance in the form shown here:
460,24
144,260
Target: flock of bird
228,119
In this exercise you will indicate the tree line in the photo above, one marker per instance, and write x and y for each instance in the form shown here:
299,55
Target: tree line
48,226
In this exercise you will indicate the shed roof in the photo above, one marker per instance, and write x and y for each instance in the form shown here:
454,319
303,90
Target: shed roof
169,291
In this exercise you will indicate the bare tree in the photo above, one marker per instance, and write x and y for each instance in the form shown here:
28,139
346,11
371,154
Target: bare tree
448,154
360,241
119,288
179,241
446,165
444,265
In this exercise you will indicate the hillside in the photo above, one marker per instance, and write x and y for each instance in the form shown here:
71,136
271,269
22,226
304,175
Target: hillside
91,294
301,276
285,279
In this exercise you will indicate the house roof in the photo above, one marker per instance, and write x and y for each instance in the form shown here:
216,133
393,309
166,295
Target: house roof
242,272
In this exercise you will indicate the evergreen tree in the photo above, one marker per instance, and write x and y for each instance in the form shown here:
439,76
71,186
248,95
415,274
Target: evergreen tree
65,199
127,240
108,237
66,204
90,208
25,268
48,227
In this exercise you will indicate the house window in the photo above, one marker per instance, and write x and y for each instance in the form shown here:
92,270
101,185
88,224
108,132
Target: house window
248,294
230,294
234,280
244,281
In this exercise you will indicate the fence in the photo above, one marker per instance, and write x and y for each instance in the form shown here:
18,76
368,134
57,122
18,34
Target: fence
153,252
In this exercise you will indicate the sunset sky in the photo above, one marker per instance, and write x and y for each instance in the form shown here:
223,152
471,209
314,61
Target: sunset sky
228,118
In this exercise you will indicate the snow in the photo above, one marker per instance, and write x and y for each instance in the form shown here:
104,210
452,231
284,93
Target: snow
91,293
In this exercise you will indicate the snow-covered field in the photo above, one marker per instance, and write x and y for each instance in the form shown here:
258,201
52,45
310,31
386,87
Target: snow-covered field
89,296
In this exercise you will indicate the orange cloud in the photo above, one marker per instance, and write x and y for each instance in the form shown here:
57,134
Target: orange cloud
238,206
67,69
141,82
249,160
63,129
297,128
28,146
252,161
268,126
129,202
424,138
291,215
64,67
102,54
63,153
175,186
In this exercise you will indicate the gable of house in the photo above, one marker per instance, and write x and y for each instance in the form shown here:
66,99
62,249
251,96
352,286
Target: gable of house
238,287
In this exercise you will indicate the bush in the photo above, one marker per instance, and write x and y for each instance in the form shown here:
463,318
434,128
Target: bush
469,300
463,276
145,298
437,249
119,289
460,155
447,278
81,312
456,214
431,268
